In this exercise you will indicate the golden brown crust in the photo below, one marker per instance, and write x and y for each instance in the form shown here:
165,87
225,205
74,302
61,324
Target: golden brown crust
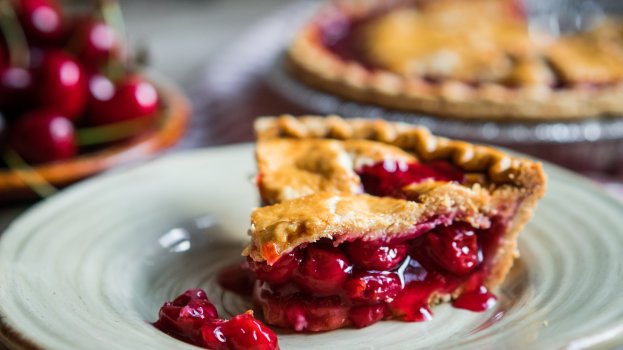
532,99
291,169
499,167
279,228
175,112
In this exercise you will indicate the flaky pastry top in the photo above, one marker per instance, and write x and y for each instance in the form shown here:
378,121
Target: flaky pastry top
416,141
307,166
279,228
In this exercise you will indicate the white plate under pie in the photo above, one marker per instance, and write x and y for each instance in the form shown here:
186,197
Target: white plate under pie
89,268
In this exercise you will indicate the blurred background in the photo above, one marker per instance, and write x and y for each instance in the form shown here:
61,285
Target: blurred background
195,73
183,36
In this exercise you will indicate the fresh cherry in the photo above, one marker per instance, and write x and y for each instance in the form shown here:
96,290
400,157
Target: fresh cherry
323,270
98,43
454,248
365,315
62,84
132,98
376,255
280,272
41,20
43,136
372,287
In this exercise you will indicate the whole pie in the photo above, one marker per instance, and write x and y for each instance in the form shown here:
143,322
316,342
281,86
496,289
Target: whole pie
368,220
471,59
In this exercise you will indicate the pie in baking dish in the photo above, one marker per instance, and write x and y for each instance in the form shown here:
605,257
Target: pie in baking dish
469,59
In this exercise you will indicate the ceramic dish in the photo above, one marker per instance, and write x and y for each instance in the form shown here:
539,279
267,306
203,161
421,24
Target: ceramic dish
90,267
174,114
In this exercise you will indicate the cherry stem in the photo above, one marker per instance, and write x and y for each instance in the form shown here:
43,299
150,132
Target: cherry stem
19,55
35,181
111,132
113,17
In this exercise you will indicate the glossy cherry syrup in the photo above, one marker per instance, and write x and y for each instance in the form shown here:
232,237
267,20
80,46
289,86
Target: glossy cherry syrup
321,286
388,178
192,318
343,37
364,296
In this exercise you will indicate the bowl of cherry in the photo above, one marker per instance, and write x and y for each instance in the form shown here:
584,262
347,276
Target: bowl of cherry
73,100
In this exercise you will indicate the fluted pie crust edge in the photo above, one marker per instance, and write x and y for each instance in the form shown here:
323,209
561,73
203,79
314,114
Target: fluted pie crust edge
303,218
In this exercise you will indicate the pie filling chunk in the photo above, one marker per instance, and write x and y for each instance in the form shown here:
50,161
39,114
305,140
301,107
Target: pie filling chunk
370,220
330,283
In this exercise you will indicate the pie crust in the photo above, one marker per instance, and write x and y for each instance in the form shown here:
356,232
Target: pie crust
324,199
570,78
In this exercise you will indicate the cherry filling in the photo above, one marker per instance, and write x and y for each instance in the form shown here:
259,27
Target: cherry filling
327,285
319,287
388,178
343,36
192,318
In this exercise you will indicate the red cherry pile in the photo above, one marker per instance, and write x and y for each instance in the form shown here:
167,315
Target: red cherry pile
192,318
321,287
60,75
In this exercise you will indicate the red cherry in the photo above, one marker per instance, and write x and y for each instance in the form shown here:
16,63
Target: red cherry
323,270
192,296
245,332
62,84
280,272
211,335
43,136
372,286
389,178
99,42
191,317
376,255
41,19
185,319
186,314
363,316
454,248
476,300
131,98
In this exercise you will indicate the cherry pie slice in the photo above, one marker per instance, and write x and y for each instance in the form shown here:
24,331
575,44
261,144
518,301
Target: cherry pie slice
369,220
